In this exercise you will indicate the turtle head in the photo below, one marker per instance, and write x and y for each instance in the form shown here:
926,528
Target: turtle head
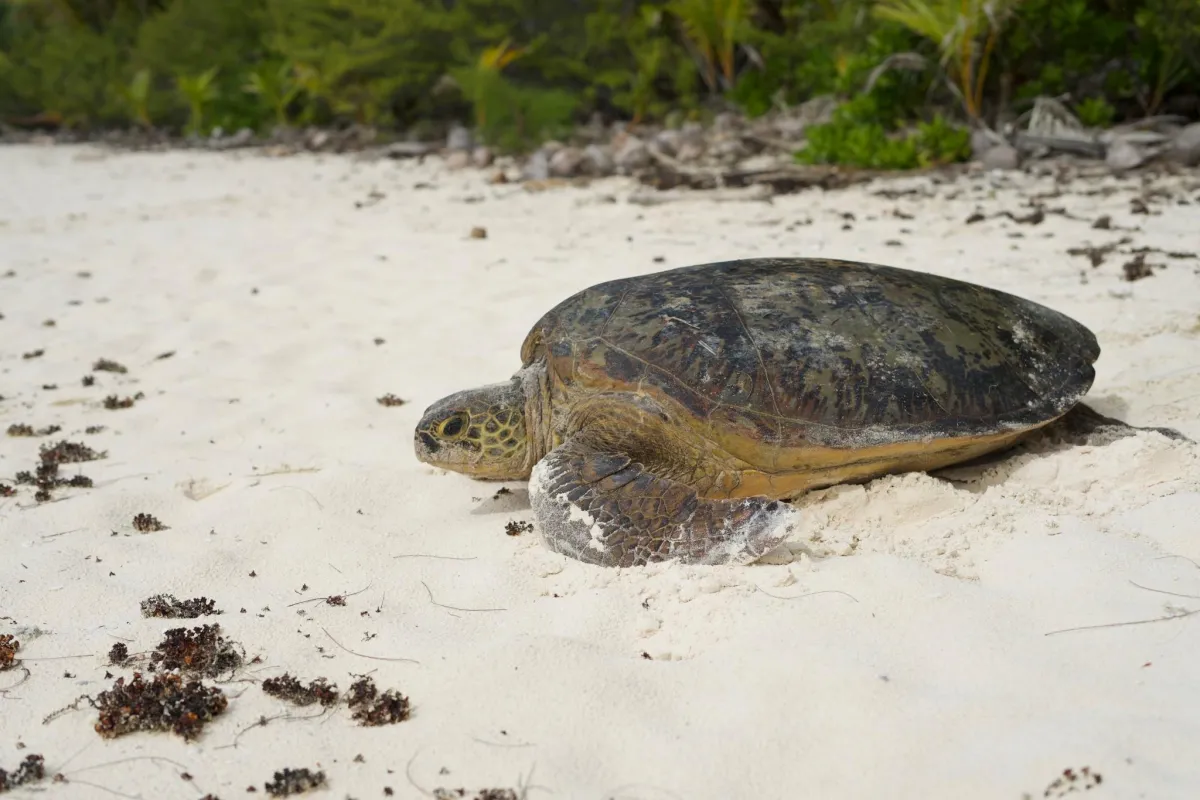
478,432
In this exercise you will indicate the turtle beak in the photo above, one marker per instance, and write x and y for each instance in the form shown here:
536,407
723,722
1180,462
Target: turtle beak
424,445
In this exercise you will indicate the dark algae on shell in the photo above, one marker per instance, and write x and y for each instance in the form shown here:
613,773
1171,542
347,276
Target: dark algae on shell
827,352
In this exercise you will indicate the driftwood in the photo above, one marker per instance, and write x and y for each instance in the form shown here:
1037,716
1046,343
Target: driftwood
668,173
1030,142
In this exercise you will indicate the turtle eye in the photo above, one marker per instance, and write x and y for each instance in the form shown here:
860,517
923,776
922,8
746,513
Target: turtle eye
453,425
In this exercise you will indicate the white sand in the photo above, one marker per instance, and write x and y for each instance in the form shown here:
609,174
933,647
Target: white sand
905,654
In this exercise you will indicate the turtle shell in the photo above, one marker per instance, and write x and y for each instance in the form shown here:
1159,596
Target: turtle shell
795,351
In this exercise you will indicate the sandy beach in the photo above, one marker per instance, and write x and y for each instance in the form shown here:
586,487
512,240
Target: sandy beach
924,636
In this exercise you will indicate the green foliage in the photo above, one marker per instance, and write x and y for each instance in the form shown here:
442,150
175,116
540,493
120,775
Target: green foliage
387,62
638,68
354,57
1170,35
830,48
276,86
856,138
714,28
508,115
199,91
191,37
1095,112
1133,54
62,69
965,31
137,96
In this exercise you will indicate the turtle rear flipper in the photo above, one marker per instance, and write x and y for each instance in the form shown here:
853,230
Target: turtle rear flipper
607,509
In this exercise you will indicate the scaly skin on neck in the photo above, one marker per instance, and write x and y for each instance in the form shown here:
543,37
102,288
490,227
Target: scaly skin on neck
495,432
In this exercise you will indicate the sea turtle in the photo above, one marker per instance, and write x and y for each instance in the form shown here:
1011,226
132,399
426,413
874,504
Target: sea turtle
666,416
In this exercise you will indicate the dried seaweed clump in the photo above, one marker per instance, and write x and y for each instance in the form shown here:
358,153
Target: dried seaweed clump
118,654
371,708
31,770
168,606
8,651
65,452
147,523
390,400
290,781
165,703
108,365
1071,781
516,528
482,794
113,403
286,687
201,650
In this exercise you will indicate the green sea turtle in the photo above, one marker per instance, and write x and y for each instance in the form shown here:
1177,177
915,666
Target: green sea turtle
667,416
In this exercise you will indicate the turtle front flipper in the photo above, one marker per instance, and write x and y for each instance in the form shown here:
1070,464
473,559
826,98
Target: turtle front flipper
607,509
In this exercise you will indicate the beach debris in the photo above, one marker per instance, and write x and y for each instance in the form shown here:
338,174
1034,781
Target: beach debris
201,650
108,365
147,523
31,770
88,380
113,402
33,354
390,400
290,781
479,232
1136,268
372,708
165,703
482,794
1071,781
286,687
65,452
1097,253
45,476
8,651
19,429
118,655
170,607
373,197
517,527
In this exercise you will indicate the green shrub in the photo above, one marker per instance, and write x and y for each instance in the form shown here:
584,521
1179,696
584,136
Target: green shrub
64,69
198,91
831,48
639,69
329,62
355,58
191,37
1169,39
1095,112
1133,54
964,31
508,115
276,86
856,138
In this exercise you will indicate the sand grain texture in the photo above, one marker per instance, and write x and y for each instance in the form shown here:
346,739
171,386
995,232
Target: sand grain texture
897,648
